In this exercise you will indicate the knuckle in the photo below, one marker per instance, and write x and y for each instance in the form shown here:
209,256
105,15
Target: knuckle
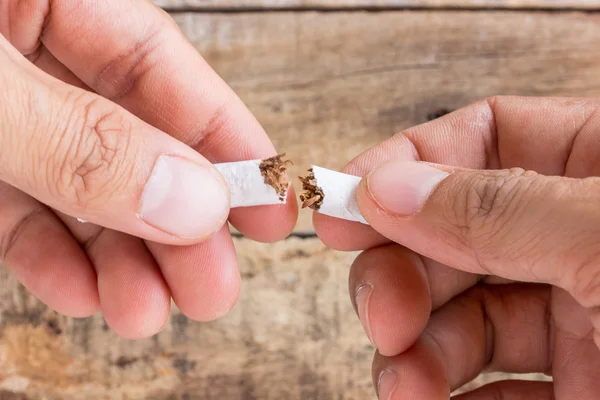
488,205
92,152
124,72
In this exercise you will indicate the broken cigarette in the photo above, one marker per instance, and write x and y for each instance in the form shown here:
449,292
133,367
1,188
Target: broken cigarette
256,182
331,193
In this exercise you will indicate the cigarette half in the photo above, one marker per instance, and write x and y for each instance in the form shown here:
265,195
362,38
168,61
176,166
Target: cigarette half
331,193
256,182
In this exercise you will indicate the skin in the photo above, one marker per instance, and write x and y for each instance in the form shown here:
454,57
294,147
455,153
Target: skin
66,67
498,268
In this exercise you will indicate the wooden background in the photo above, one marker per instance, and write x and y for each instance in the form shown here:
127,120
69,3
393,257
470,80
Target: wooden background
327,79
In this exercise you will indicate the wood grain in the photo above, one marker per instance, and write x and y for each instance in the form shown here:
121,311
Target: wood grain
373,4
326,86
293,335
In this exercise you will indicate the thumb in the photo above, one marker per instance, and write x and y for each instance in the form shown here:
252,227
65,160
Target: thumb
510,223
87,157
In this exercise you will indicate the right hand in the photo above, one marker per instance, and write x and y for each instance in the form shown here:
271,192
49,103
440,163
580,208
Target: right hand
116,119
472,266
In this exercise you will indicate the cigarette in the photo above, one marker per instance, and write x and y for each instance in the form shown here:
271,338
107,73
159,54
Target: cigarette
256,182
331,193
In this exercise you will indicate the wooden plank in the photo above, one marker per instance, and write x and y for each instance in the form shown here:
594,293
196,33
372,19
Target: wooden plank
294,335
373,4
326,86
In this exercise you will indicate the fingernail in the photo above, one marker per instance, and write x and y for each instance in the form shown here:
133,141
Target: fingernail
386,385
184,199
362,297
402,187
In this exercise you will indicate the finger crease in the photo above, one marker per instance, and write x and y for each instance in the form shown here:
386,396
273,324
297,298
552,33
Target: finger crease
490,334
495,132
427,272
215,124
572,144
35,56
13,234
116,85
441,351
550,337
89,242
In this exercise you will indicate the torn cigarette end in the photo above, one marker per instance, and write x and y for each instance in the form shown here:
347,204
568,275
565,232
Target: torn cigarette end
331,193
256,182
311,195
273,171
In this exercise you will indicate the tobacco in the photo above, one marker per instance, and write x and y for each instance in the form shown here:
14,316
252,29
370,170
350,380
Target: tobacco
312,195
273,171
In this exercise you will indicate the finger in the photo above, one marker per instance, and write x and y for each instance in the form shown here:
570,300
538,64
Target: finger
344,235
25,37
499,328
552,136
416,374
204,279
22,23
576,356
140,53
501,222
134,297
502,328
445,283
38,249
394,291
88,158
46,61
511,390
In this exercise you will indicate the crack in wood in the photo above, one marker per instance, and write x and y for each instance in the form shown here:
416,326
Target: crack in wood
293,235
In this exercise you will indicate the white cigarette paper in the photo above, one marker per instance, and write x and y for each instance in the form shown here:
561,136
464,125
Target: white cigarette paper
335,194
247,183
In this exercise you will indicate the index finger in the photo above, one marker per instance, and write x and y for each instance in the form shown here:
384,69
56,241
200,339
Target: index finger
539,134
133,53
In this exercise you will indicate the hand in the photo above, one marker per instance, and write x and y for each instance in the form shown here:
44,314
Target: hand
109,115
475,265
